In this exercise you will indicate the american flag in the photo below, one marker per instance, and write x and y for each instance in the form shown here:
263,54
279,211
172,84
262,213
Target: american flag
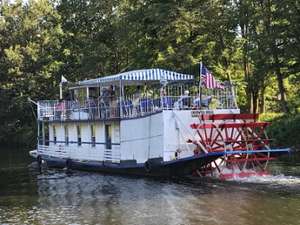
208,79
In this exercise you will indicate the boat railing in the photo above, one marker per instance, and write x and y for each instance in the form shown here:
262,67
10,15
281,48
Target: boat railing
128,107
131,107
57,151
65,151
74,110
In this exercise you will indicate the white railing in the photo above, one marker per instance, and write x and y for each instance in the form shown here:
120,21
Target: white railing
73,110
81,153
129,107
55,151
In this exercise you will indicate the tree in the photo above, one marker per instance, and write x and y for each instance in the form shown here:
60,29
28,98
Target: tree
30,60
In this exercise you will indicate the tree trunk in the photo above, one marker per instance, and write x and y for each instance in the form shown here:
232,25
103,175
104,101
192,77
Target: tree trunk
262,103
282,91
274,52
247,78
249,101
254,101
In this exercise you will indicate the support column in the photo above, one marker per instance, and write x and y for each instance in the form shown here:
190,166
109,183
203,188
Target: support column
121,97
87,92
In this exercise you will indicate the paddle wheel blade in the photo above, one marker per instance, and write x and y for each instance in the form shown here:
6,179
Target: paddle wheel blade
241,140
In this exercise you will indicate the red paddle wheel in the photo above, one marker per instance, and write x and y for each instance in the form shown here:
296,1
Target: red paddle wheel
239,139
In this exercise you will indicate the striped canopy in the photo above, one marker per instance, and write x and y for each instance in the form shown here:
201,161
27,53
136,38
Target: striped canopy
138,77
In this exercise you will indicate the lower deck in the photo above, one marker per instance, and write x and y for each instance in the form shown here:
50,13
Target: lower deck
161,135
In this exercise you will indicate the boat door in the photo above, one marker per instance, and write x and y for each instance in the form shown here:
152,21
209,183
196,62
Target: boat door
108,138
45,133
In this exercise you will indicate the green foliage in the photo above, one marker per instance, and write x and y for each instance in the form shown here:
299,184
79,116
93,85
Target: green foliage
269,117
30,40
285,130
254,44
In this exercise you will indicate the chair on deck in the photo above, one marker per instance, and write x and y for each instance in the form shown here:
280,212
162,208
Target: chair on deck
146,105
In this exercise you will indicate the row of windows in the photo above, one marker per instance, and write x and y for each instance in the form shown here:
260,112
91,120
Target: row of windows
93,135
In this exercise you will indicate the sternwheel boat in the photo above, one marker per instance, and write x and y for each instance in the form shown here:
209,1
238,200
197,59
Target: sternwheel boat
152,122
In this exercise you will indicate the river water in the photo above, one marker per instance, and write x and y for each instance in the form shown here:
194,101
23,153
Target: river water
60,197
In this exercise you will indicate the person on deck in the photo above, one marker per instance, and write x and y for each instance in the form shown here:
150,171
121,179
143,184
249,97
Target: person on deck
136,98
184,101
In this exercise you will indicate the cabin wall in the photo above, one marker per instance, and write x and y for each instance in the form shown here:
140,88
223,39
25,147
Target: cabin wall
60,133
86,151
177,131
153,136
142,138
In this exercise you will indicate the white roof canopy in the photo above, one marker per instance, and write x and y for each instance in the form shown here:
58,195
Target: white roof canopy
137,77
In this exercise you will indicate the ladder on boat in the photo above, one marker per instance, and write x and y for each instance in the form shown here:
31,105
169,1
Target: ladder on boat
112,155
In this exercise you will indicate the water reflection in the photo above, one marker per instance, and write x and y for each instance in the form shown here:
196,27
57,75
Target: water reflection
58,197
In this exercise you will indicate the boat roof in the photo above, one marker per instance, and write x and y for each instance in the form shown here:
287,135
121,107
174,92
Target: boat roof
137,77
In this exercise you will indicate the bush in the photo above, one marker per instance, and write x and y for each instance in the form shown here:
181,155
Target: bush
269,117
285,129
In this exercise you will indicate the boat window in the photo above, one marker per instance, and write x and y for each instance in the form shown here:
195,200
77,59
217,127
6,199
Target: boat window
108,136
80,95
54,134
78,135
40,133
93,135
46,134
93,92
66,135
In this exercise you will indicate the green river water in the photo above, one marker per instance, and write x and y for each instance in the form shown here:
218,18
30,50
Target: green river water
60,197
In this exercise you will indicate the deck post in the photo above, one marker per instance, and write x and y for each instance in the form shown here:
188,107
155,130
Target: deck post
121,93
87,93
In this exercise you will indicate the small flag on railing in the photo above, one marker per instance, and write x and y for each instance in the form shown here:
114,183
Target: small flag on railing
63,80
208,80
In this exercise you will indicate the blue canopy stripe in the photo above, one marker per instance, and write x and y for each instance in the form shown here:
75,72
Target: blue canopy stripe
139,75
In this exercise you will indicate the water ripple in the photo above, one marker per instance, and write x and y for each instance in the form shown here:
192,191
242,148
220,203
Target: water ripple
60,197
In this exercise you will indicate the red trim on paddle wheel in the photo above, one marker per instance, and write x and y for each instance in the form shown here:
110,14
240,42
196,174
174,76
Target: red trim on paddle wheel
232,132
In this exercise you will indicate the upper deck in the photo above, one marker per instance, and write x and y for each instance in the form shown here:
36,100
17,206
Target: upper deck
55,110
134,94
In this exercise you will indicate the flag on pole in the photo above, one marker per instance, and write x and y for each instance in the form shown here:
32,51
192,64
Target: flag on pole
208,80
63,80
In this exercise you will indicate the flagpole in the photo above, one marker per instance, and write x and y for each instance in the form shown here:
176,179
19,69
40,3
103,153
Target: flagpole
60,91
200,85
62,81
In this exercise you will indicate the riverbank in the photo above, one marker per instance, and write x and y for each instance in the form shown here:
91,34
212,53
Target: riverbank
284,129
